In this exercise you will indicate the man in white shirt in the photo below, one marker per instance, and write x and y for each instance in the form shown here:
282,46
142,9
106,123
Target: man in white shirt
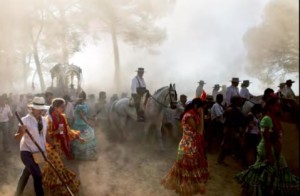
232,91
138,89
36,125
5,115
215,132
244,92
199,89
287,91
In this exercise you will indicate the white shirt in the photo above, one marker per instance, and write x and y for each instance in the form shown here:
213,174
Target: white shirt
137,82
199,90
216,111
5,113
244,92
230,92
288,93
26,143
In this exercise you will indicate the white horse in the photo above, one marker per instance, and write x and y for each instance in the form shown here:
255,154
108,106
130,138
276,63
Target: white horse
122,110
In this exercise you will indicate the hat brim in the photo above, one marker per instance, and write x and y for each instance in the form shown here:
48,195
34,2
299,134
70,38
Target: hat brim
38,107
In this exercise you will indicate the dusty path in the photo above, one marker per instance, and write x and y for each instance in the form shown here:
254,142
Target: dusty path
131,168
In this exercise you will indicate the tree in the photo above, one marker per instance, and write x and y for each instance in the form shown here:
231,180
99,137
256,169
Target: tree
273,46
133,21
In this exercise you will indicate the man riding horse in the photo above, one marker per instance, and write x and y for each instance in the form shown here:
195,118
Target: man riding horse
138,89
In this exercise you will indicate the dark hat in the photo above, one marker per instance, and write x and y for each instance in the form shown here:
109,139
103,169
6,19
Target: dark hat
216,86
235,80
201,82
140,69
289,82
67,98
102,94
281,85
246,82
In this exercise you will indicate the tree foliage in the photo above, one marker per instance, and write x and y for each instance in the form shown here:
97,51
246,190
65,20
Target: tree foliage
273,45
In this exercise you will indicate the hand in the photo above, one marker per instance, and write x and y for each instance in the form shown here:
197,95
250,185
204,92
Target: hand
22,129
81,140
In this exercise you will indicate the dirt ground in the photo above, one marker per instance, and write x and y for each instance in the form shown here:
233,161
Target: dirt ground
132,168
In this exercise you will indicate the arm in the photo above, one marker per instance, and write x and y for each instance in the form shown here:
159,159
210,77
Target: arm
21,131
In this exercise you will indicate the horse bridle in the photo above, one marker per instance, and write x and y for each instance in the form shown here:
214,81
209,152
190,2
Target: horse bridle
171,102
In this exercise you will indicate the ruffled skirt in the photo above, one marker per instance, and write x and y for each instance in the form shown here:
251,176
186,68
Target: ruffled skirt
187,176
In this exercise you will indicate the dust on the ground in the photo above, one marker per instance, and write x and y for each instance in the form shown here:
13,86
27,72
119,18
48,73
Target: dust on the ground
134,167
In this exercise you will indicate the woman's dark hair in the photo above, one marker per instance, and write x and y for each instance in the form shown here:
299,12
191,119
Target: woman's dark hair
270,101
196,101
57,102
267,93
82,95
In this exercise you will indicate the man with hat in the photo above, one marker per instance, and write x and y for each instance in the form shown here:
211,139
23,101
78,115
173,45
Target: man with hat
244,92
199,90
279,93
138,89
36,124
215,91
287,91
232,91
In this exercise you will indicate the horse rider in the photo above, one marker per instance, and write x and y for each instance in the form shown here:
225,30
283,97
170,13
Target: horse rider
288,91
244,92
232,91
138,89
200,91
279,93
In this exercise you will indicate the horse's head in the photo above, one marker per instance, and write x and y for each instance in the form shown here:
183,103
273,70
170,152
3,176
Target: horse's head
173,96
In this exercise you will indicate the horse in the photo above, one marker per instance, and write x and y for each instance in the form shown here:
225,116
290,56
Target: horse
122,110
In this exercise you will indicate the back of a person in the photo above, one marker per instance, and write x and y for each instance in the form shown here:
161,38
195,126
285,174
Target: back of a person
83,108
234,117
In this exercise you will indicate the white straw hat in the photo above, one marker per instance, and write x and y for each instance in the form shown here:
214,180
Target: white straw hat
38,103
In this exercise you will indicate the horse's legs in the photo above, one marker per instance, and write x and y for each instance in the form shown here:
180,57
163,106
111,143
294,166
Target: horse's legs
124,134
158,128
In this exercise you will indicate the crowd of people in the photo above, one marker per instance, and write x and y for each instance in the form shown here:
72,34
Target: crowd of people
61,129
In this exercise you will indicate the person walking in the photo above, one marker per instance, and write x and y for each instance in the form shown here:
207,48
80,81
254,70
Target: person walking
189,173
269,175
36,125
5,116
58,144
86,150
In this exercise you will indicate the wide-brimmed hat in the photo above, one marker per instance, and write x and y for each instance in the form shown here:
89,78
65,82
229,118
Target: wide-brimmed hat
281,85
289,81
38,103
201,82
140,69
216,86
235,80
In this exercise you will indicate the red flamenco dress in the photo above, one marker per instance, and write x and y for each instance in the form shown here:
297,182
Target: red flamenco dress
52,184
189,173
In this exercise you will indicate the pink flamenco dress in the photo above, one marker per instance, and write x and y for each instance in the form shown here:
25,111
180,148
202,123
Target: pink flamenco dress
189,173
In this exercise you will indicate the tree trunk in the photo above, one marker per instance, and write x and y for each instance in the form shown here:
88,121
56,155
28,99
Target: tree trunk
38,67
117,78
